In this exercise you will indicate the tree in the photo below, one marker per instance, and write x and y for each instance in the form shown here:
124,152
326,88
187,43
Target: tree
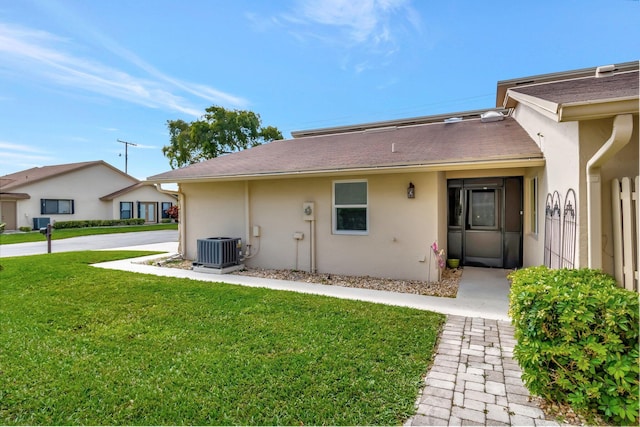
218,132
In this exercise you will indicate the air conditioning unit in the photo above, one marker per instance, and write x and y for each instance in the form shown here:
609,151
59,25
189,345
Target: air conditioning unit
218,252
39,223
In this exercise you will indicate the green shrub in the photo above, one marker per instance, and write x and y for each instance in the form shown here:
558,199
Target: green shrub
25,229
577,336
2,226
97,223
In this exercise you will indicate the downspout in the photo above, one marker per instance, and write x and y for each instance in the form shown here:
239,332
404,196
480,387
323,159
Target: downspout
313,245
182,224
620,136
247,220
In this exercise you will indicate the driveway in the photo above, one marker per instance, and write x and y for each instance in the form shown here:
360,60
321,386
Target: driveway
88,243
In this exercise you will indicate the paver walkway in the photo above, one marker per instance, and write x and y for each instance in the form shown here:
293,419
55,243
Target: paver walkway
474,379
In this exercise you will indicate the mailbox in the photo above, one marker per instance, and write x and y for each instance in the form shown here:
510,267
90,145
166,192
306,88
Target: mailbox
46,231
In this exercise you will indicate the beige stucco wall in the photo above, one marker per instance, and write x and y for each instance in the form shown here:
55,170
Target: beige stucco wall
560,144
397,245
593,135
84,187
567,148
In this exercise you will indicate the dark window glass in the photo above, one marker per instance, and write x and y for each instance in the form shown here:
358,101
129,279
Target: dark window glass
351,219
56,206
126,210
455,207
483,208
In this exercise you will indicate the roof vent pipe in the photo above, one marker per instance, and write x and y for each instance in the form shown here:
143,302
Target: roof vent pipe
605,70
491,116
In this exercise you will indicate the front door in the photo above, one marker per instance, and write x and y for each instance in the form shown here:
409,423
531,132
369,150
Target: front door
148,211
9,217
485,221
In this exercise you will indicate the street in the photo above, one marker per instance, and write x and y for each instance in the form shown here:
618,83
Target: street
86,243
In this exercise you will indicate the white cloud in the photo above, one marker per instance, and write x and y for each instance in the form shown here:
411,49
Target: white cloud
46,56
18,147
22,156
364,21
362,31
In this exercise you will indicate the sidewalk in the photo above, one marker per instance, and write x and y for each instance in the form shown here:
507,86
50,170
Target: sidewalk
483,292
474,379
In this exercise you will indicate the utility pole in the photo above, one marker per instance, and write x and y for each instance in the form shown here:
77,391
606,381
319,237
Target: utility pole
126,152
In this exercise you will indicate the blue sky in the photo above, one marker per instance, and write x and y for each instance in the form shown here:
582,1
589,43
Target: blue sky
76,76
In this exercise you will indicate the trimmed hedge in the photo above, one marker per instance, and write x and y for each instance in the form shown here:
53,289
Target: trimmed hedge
98,223
577,334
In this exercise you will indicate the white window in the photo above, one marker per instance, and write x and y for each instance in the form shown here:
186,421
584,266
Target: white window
350,207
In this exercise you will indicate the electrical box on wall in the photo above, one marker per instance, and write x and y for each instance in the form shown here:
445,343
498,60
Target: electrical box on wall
308,211
256,231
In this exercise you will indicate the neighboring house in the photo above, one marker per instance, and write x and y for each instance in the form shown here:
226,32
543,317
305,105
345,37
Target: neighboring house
371,199
78,191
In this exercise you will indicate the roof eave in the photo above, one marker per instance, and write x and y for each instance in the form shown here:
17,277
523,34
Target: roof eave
14,196
532,161
505,85
597,110
546,108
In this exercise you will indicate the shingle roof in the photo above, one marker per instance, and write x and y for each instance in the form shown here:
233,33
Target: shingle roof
395,147
28,176
126,190
586,89
504,85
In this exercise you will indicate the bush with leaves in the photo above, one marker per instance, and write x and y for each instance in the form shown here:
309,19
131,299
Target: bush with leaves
173,212
97,223
577,336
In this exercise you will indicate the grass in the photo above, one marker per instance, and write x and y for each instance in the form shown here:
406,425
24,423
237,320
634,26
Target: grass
83,345
65,233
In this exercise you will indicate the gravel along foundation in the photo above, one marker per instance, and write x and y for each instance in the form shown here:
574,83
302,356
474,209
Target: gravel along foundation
447,286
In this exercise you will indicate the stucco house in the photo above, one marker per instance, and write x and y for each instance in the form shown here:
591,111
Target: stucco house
78,191
371,199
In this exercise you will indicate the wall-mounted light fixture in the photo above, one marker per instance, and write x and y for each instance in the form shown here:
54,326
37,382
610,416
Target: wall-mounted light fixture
411,191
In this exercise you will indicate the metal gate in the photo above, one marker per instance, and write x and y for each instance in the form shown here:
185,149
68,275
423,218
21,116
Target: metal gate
560,230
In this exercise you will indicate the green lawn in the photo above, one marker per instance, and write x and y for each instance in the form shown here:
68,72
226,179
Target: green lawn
83,345
65,233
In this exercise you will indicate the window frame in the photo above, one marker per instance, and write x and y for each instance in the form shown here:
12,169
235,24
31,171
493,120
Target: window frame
45,202
131,211
335,207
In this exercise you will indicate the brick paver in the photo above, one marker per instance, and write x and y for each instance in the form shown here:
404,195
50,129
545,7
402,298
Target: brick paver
474,379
